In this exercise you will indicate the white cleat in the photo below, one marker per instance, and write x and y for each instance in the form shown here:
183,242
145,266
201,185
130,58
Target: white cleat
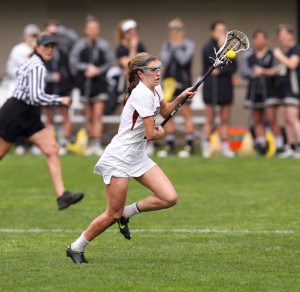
20,150
34,150
206,149
288,152
162,153
94,150
226,152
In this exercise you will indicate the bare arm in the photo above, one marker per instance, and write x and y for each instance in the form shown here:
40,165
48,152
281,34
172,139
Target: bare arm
291,62
152,132
167,108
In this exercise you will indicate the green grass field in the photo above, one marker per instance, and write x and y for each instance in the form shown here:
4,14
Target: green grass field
236,227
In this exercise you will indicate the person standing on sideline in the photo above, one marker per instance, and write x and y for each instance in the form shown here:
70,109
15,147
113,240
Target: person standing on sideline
126,155
217,90
259,66
129,45
288,76
177,55
19,55
59,78
20,115
90,58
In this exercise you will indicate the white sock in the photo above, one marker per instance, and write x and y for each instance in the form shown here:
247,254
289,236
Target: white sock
279,142
130,210
80,244
261,140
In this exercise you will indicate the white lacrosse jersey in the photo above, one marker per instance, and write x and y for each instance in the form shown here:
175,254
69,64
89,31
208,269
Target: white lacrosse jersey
128,148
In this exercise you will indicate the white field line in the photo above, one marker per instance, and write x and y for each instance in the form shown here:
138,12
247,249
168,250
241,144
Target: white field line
207,230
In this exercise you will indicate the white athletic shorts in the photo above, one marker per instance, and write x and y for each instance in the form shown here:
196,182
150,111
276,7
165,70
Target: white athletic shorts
109,165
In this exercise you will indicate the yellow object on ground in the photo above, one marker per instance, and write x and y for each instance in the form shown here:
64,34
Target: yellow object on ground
271,144
81,143
247,148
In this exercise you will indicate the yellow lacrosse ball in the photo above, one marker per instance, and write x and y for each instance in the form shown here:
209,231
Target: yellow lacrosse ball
231,54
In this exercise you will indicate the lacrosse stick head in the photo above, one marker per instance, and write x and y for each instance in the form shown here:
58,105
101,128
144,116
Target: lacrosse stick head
236,41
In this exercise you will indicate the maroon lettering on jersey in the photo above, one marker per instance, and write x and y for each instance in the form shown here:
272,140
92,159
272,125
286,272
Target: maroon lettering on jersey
134,118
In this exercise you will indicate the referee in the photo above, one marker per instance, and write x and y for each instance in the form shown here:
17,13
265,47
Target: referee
20,115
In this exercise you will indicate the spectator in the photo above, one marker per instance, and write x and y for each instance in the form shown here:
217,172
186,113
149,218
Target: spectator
129,45
289,57
90,58
217,90
59,78
259,66
19,55
176,55
20,115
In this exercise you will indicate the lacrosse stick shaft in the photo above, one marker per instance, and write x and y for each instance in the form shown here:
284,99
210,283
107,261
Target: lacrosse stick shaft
195,87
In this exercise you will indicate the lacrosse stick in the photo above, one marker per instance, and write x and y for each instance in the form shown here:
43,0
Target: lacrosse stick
235,41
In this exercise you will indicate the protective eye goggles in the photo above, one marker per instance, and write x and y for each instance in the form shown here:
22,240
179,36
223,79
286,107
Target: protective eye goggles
150,69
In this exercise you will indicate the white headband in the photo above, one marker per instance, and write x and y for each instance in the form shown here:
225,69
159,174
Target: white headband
129,24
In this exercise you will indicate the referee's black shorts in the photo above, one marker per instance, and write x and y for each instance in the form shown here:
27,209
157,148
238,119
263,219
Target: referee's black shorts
19,119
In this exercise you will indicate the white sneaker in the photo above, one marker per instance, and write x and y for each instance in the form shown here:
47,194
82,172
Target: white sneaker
98,150
34,150
162,153
94,150
206,149
20,150
288,152
62,151
186,152
296,153
89,151
227,152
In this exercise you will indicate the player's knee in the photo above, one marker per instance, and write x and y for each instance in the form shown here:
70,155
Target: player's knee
289,120
51,149
114,216
172,200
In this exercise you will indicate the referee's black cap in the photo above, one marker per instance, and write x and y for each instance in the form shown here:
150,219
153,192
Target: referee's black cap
46,40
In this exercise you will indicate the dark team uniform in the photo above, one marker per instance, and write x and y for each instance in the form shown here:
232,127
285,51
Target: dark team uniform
262,91
98,54
123,51
178,61
288,80
217,90
59,64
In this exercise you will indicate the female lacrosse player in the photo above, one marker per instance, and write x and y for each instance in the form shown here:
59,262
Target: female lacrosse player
177,55
289,57
20,115
259,66
217,90
91,57
126,155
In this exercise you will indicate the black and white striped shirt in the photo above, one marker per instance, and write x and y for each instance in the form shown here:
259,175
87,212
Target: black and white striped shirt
31,84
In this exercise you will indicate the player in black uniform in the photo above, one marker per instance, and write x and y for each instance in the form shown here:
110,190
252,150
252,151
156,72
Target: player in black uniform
177,55
289,57
259,66
59,78
217,89
91,57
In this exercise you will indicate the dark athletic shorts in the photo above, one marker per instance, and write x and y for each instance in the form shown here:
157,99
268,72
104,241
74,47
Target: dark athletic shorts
19,119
